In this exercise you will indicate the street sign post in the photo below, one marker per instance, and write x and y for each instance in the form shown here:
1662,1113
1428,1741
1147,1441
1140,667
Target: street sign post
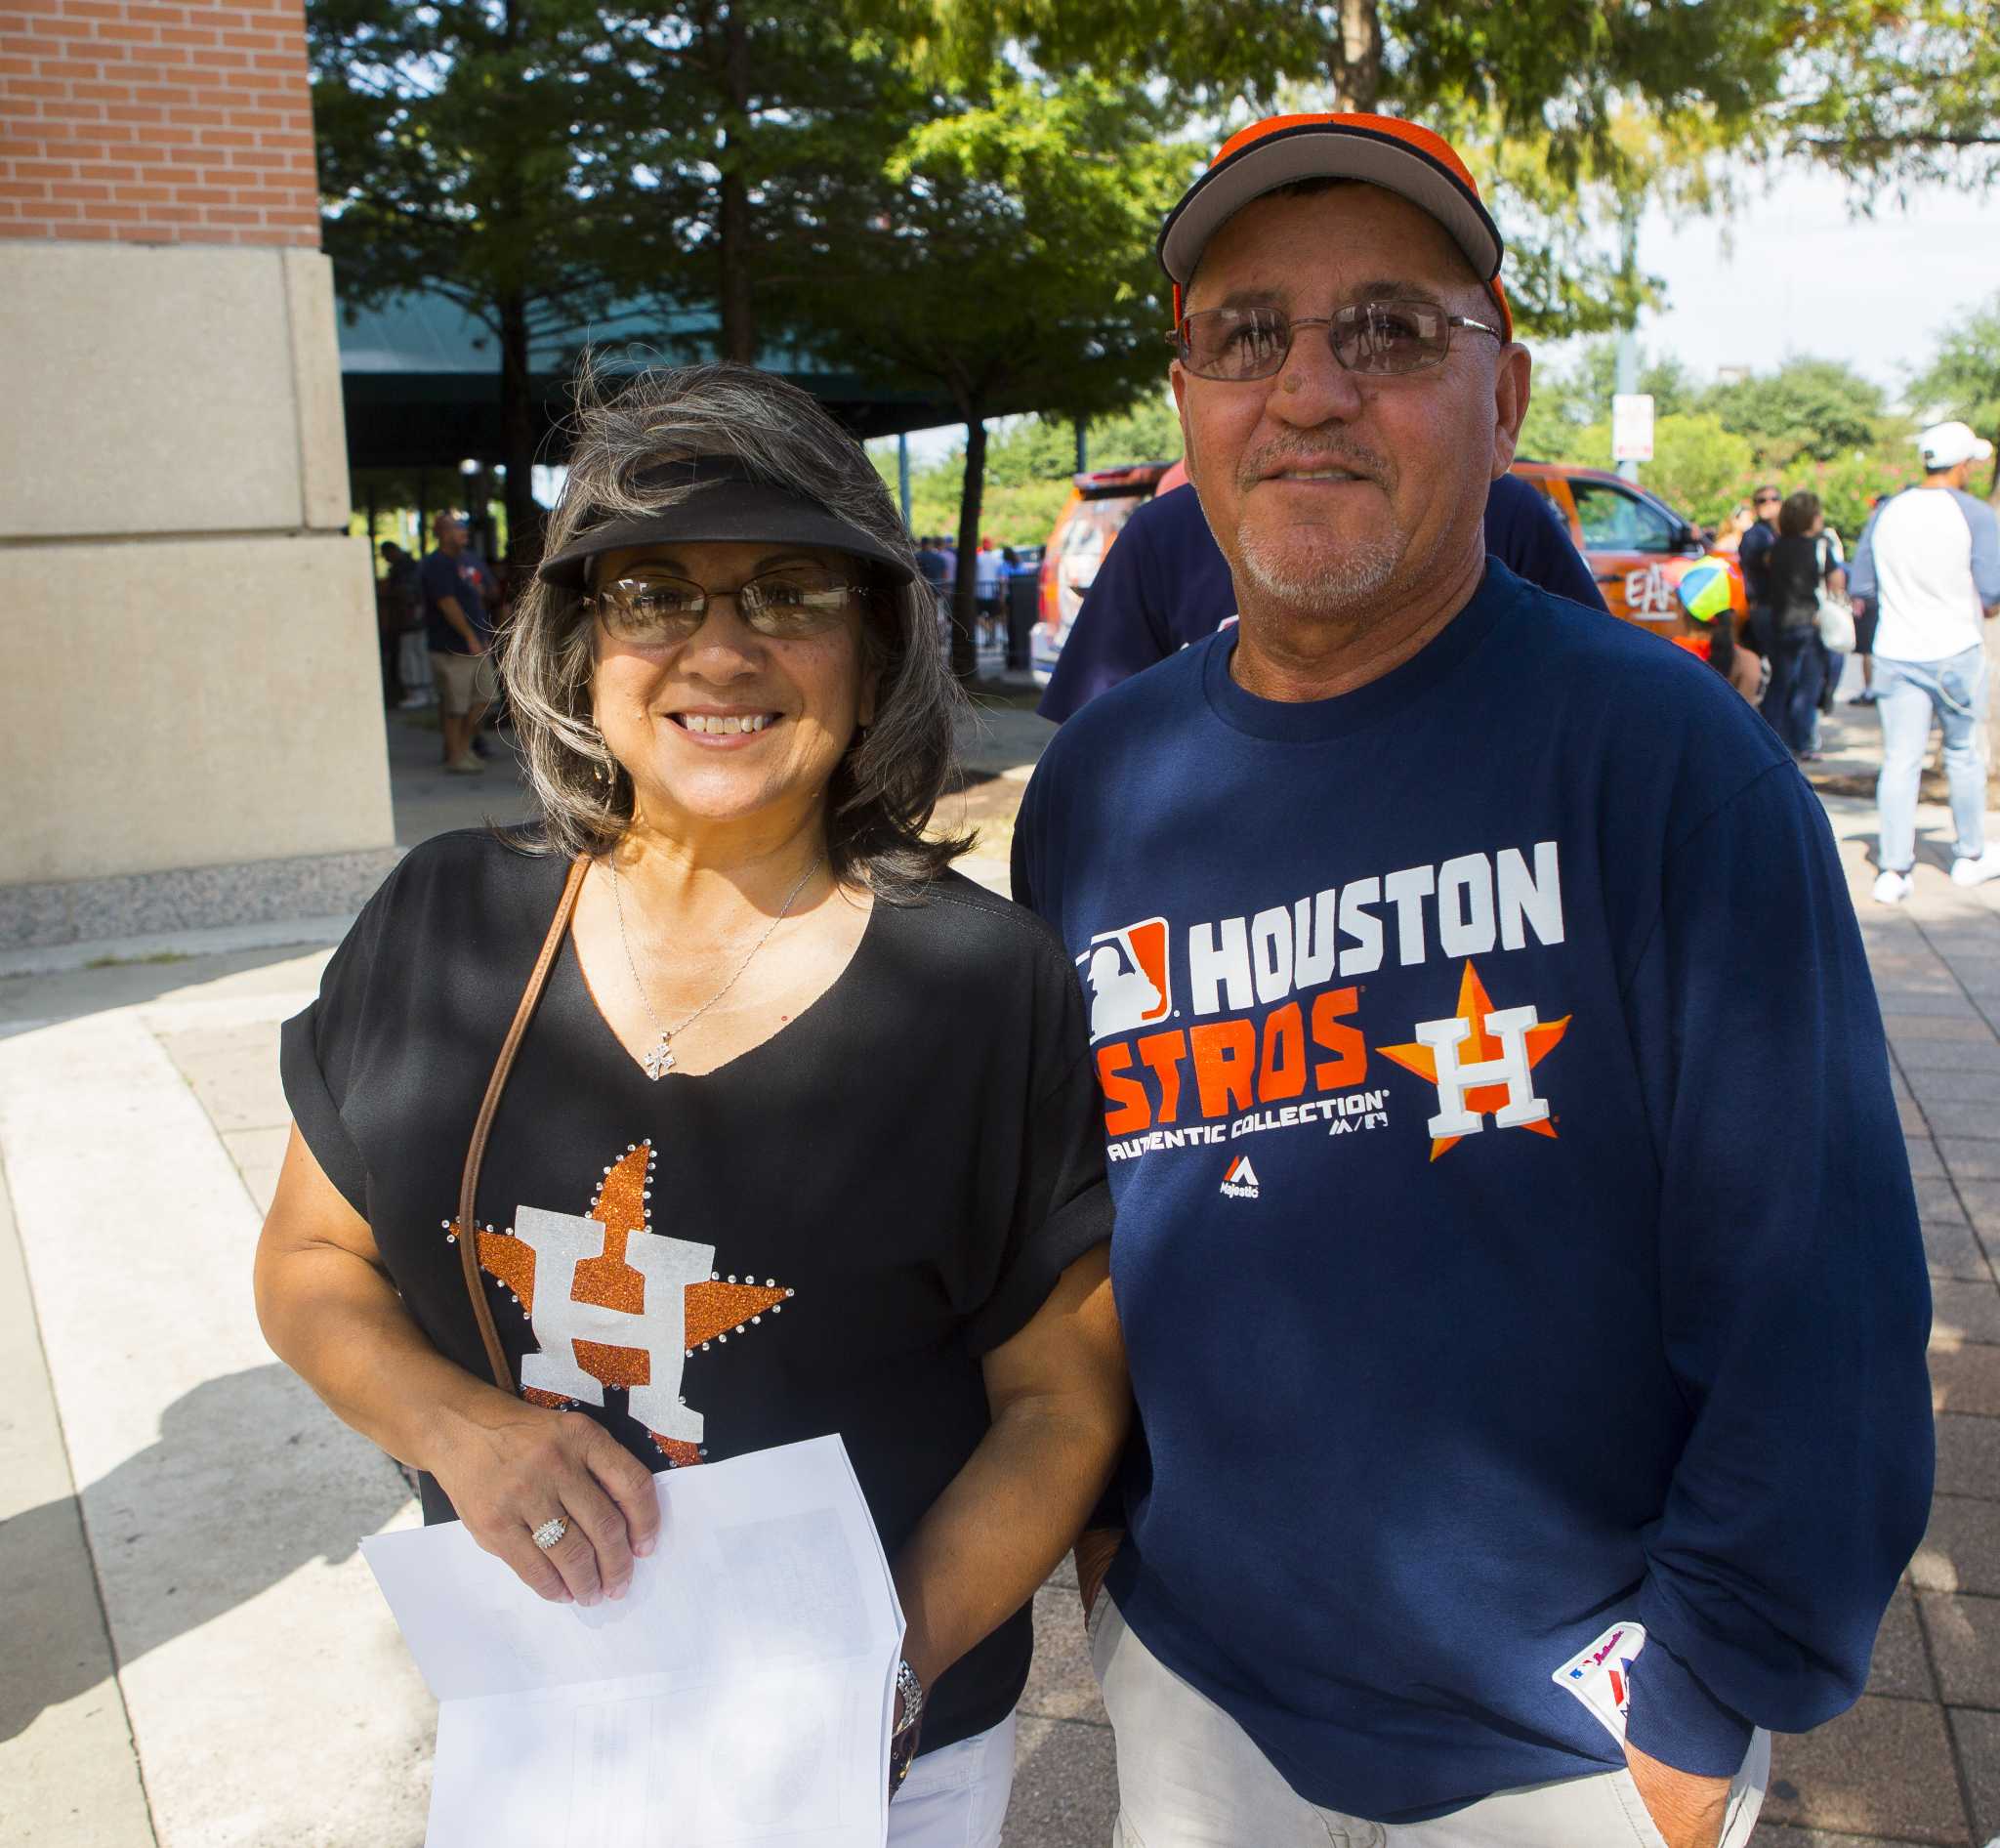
1632,426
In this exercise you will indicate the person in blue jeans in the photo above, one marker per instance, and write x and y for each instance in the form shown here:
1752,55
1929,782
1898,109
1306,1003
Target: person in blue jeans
1908,696
1797,567
1929,563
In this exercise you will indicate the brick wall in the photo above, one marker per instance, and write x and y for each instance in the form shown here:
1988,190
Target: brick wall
157,123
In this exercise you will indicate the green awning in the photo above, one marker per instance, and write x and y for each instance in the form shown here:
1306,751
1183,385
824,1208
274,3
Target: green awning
420,378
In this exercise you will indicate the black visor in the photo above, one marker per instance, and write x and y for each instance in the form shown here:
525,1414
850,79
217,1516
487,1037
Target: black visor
729,504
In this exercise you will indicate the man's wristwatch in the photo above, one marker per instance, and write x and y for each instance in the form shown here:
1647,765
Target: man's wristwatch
902,1743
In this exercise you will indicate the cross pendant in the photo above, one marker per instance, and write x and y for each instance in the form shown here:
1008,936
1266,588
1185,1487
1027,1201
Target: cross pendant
659,1060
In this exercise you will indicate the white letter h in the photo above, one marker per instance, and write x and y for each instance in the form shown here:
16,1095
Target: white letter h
1509,1025
563,1240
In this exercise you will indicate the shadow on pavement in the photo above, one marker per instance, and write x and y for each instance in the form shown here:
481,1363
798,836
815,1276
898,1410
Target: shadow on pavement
27,1002
248,1482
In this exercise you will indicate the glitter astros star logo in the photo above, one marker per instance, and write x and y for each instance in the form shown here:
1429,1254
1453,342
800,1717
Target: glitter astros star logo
1481,1060
614,1304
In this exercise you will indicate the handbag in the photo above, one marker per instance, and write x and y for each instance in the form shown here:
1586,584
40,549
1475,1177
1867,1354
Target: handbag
482,1124
1834,619
1835,623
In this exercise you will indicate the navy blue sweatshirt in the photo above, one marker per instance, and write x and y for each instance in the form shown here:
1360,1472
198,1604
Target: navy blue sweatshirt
1166,584
1500,1266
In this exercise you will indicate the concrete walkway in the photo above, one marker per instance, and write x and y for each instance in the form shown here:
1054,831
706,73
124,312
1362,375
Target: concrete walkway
196,1655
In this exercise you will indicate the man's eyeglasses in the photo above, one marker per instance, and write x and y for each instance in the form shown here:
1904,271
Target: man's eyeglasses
1378,339
653,609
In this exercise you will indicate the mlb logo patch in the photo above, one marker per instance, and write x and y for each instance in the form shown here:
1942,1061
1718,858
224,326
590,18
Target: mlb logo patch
1126,973
1600,1675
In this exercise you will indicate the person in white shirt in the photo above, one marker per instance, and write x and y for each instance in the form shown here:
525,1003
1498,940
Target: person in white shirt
1929,561
987,568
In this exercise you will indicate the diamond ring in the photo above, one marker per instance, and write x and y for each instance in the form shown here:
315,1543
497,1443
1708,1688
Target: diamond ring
550,1531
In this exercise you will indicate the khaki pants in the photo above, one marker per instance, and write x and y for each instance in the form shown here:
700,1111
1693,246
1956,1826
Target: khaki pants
1190,1777
464,682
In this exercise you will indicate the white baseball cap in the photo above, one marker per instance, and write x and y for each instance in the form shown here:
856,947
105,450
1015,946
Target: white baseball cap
1947,445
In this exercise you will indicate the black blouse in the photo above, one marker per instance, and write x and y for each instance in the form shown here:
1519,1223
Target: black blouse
825,1234
1798,566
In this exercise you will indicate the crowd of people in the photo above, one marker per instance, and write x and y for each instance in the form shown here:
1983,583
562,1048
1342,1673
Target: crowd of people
994,567
1912,607
1486,1442
1792,564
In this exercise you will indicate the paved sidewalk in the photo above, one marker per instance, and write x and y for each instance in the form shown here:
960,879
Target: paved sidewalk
196,1655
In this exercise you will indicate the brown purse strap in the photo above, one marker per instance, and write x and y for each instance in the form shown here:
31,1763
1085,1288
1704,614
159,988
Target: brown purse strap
475,1153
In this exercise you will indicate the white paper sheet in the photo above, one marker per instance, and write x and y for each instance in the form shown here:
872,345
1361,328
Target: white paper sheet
741,1692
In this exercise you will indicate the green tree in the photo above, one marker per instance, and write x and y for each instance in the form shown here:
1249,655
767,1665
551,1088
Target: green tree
1566,207
1850,484
1963,380
1567,401
770,128
1036,449
1010,266
1572,115
1699,468
1149,432
473,148
1029,462
1895,94
1671,387
1030,448
1809,410
1550,65
545,163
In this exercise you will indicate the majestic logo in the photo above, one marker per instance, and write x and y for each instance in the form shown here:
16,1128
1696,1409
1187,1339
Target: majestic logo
1130,986
1481,1060
613,1304
1239,1182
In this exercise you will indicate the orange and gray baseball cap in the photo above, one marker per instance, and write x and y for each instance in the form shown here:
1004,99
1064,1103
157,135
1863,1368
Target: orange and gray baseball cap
1401,158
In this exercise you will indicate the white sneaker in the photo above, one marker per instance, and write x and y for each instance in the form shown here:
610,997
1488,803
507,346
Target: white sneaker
1975,872
1892,887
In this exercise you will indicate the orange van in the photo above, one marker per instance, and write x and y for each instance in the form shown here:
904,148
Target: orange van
1099,505
1632,542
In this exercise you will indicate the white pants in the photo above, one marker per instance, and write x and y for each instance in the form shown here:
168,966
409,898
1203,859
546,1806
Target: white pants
1190,1777
413,665
956,1797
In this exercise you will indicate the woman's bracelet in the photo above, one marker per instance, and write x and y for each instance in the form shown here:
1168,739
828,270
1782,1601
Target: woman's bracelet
903,1743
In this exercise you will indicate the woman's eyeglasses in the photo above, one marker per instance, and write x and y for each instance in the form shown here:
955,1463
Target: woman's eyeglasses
653,609
1378,339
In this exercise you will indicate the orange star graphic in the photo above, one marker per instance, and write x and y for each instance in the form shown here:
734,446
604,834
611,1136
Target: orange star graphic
713,1311
1474,1005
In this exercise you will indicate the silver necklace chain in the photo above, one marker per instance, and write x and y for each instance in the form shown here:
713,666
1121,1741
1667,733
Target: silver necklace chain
659,1060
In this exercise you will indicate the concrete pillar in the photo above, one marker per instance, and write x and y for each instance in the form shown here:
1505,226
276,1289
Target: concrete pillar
190,719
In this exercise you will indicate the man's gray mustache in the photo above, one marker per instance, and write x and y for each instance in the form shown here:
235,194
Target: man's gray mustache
1337,455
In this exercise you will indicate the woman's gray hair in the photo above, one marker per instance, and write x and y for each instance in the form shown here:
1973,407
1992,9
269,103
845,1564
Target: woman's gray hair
882,795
